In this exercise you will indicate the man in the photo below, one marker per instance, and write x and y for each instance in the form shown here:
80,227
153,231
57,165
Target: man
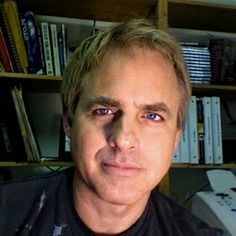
125,94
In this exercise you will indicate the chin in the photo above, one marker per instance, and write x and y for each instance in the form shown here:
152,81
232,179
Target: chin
123,195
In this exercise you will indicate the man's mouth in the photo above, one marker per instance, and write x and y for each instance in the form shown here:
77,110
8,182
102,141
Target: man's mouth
119,169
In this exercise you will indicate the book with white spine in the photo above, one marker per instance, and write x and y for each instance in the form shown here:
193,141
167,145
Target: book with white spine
184,145
208,144
47,48
216,130
55,49
192,131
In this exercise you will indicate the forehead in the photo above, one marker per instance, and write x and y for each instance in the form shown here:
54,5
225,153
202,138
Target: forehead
141,73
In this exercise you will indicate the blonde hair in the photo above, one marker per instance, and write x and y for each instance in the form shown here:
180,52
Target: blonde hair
126,35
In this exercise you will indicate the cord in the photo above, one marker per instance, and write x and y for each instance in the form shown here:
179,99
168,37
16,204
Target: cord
192,195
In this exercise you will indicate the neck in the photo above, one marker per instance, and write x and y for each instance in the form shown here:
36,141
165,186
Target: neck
102,217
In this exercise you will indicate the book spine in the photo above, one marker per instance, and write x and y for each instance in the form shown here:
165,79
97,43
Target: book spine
216,130
25,32
208,144
9,40
61,50
55,49
200,131
64,41
43,70
47,48
36,65
14,23
31,138
4,54
21,124
184,145
192,131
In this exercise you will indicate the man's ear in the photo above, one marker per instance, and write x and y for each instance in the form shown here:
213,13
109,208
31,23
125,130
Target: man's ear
67,125
177,137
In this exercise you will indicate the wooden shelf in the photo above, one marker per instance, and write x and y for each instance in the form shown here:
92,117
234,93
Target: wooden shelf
32,82
68,163
212,87
226,91
27,78
21,76
181,13
202,16
35,164
205,166
103,10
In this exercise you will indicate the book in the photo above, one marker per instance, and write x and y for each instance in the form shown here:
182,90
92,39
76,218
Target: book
4,54
14,23
32,44
32,150
208,144
25,33
55,49
64,41
192,131
216,130
9,40
184,145
200,131
61,50
42,61
47,49
62,47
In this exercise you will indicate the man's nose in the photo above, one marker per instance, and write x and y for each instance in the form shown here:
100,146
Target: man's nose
123,134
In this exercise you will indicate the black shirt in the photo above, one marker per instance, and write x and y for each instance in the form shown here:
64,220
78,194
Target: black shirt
43,206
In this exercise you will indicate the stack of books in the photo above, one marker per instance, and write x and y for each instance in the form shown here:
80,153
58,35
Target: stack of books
197,57
201,140
26,47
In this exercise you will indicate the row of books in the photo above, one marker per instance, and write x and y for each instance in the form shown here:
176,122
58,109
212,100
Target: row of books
197,58
27,47
201,140
19,141
211,63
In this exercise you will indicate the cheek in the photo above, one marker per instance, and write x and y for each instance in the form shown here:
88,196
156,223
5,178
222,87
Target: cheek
85,141
159,151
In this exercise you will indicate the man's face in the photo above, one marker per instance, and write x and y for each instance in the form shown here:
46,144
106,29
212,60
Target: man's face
125,126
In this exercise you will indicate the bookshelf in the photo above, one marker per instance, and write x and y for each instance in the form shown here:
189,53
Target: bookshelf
36,164
173,13
68,163
194,14
56,80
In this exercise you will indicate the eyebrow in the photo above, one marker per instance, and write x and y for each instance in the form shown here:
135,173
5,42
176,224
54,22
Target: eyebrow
104,101
109,102
158,107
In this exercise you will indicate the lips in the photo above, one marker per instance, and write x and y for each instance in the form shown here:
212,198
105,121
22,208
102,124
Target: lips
121,169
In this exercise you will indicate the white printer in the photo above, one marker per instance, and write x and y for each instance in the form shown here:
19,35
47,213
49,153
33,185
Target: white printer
218,207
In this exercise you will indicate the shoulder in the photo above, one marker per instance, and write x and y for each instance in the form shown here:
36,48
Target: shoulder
32,185
33,199
182,221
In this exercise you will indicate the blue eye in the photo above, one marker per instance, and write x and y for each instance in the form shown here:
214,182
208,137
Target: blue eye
103,111
153,116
